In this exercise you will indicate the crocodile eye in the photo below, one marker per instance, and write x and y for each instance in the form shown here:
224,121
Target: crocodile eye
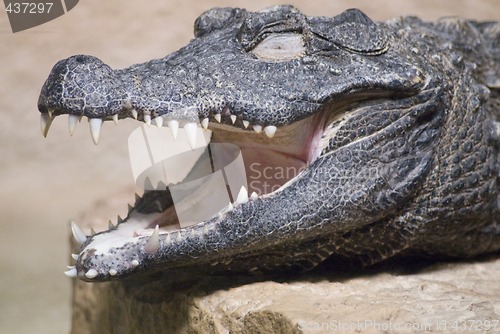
280,47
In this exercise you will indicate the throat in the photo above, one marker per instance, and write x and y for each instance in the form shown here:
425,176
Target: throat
267,170
272,162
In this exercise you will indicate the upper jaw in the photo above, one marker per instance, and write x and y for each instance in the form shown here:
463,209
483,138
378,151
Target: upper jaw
120,94
188,122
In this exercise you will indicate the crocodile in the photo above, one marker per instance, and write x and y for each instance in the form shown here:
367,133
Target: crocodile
392,128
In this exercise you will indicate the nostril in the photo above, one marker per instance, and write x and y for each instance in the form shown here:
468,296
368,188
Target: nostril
80,59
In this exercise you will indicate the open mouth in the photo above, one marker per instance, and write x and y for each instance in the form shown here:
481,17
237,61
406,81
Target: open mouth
270,157
273,157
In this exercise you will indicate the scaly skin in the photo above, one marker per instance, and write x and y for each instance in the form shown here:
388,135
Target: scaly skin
406,112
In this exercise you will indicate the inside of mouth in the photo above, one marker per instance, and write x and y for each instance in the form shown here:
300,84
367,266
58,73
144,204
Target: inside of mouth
270,164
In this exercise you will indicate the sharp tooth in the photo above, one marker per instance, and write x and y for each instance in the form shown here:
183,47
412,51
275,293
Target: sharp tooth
92,231
70,267
246,124
205,229
159,121
204,123
137,198
233,118
45,122
91,273
229,207
50,112
134,263
217,117
253,196
174,127
72,121
147,119
115,118
95,129
153,243
270,130
179,236
147,184
78,234
135,114
110,225
74,256
191,129
112,272
161,186
168,239
119,220
71,273
257,128
242,196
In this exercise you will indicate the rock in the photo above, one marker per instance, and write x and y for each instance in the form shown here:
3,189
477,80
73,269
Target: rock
396,298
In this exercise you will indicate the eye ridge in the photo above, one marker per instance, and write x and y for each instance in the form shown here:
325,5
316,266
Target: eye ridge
274,28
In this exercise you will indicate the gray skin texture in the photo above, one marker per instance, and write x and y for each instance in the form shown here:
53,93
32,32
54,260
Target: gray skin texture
408,112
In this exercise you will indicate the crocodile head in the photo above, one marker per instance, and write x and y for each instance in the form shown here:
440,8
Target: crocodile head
308,93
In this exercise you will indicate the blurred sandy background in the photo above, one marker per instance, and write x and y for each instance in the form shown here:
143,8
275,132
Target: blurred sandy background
46,182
